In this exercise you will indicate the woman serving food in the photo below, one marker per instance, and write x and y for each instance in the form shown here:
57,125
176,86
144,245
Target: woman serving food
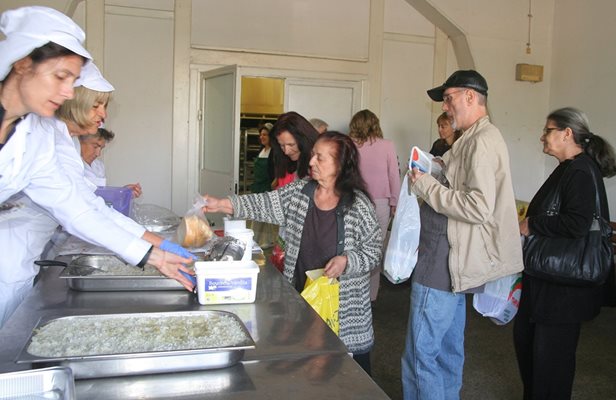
40,59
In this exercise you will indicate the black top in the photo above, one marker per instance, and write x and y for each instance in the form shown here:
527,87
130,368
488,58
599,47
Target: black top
2,113
550,302
439,147
318,244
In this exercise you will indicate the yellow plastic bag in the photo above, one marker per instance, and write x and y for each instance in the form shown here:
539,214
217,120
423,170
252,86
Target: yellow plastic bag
322,293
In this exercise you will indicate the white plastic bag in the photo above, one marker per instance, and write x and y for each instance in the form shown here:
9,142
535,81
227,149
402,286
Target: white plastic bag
401,253
500,299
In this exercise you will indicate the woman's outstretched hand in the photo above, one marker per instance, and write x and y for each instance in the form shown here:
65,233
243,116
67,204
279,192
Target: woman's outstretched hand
217,205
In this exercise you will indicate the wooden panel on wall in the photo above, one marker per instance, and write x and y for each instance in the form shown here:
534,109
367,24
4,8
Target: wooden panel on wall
406,108
321,28
139,63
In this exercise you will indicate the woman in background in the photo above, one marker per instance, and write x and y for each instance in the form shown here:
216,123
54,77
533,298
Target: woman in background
378,164
91,148
320,125
263,174
547,326
447,135
291,138
265,234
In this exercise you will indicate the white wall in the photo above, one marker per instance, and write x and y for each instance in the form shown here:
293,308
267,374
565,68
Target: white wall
320,28
408,53
583,63
139,63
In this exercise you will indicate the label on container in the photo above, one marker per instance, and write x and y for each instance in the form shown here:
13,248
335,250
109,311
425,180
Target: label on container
226,290
223,284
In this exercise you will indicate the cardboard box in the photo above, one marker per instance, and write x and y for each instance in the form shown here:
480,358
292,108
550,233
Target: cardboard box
226,282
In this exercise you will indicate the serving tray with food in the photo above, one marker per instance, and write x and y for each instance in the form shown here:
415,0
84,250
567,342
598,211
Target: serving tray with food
133,344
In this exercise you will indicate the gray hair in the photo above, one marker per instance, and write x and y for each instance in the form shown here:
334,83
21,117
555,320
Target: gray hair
318,123
101,133
593,145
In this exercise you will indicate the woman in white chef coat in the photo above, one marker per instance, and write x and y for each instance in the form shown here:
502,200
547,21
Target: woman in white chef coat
92,147
40,59
83,115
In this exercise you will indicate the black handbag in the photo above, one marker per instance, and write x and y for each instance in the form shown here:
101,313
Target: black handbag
582,261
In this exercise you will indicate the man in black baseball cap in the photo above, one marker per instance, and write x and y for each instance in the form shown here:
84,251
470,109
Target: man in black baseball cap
480,233
461,79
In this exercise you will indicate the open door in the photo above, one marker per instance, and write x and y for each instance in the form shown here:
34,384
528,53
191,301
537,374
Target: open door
219,134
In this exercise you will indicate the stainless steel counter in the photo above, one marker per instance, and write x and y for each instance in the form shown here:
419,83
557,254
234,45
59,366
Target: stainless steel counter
310,377
296,354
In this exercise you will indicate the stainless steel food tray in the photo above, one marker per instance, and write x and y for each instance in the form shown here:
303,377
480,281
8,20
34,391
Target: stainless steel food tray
119,283
46,383
86,279
154,362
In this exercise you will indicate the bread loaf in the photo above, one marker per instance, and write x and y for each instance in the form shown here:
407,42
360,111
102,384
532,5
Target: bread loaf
194,231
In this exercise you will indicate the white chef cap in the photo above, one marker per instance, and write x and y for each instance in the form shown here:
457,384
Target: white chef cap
92,78
28,28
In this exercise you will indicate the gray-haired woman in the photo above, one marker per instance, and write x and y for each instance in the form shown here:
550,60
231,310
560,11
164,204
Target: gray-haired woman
547,326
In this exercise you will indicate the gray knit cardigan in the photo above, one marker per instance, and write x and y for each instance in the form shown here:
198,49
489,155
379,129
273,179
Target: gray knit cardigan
288,207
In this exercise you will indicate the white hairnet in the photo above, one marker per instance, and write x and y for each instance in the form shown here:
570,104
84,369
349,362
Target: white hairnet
92,78
28,28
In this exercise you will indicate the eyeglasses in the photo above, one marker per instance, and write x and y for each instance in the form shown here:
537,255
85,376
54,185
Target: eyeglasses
546,131
449,97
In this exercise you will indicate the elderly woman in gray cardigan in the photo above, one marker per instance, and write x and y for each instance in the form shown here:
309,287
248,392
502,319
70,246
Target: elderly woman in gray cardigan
330,223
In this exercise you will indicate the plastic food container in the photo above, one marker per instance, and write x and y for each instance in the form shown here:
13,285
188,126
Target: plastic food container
226,282
118,198
246,236
233,224
45,383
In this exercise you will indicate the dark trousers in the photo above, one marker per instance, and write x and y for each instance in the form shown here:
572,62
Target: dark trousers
363,360
546,356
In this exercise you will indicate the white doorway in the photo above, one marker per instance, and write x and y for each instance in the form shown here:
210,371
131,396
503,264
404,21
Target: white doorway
218,147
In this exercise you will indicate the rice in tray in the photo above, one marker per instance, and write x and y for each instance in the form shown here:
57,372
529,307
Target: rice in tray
127,270
102,335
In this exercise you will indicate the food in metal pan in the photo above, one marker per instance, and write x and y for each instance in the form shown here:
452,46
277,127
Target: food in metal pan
108,335
124,270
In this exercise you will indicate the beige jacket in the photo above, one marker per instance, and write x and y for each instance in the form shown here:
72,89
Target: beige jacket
482,225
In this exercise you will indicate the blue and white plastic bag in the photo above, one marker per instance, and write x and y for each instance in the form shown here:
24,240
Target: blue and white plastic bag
500,299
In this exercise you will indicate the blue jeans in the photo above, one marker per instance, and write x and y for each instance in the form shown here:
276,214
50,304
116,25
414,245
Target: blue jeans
433,358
